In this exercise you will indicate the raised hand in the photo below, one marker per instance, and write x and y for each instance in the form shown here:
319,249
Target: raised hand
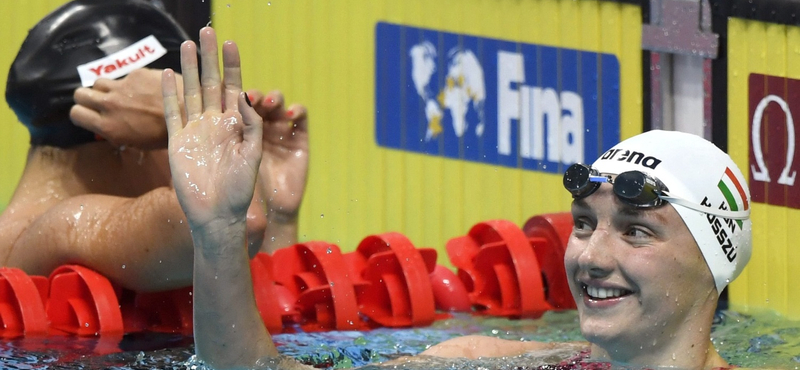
284,169
215,157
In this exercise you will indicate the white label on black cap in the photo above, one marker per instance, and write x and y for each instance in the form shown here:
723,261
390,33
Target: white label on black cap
138,55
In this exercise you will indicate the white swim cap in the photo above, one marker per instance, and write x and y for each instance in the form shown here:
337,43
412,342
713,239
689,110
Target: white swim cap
698,175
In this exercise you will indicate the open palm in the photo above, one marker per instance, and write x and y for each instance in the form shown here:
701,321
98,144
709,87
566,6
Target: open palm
215,157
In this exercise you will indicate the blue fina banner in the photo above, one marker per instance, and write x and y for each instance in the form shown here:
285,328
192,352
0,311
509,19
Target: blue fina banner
493,101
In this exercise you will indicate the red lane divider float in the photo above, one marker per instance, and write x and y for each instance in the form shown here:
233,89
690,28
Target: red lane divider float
83,302
275,302
21,304
386,281
449,292
398,289
500,270
316,274
552,231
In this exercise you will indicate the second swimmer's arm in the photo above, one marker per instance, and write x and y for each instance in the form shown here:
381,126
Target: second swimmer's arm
140,243
477,346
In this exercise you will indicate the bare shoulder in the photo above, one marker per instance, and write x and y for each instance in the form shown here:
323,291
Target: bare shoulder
476,346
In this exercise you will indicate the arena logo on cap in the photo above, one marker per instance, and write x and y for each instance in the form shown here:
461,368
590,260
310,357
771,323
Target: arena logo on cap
493,101
631,156
138,55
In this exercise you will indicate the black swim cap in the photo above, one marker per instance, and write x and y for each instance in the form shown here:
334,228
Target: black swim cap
44,74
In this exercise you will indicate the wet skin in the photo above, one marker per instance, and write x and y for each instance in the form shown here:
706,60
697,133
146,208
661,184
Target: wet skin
643,290
109,205
110,209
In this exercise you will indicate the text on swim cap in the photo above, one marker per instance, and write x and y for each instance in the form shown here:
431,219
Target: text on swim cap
722,236
133,57
629,156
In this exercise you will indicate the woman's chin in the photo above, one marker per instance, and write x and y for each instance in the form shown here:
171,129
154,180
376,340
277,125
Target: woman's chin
601,332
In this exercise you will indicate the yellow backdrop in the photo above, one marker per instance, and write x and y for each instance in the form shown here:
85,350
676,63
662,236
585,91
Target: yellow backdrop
15,21
322,53
770,49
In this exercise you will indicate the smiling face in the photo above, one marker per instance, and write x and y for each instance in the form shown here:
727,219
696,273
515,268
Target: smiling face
639,280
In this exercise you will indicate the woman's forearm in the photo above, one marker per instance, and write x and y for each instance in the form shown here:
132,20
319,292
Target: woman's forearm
225,310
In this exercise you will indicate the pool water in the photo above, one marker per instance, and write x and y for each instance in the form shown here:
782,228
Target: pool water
747,340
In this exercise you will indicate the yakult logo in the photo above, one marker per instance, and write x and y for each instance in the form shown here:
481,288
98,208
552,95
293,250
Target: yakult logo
493,101
138,55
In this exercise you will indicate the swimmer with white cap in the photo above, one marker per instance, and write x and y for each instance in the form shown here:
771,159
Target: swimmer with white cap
661,226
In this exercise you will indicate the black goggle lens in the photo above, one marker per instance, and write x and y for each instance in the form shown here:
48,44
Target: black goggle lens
577,180
637,189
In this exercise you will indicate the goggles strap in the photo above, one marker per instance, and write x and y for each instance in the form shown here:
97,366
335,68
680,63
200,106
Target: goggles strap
735,215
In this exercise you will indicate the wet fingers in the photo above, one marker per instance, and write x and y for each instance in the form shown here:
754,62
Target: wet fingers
297,114
192,95
172,110
232,74
210,78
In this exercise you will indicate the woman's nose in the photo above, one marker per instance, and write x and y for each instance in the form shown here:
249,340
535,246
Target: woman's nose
597,256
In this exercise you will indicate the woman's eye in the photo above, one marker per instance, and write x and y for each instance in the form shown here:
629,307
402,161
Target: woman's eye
638,232
582,225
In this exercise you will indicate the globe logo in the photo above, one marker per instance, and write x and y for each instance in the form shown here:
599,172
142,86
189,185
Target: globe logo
464,86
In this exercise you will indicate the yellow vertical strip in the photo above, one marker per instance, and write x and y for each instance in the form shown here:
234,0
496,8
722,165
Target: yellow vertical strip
611,42
550,24
630,57
314,61
336,17
755,37
570,24
738,291
18,18
363,201
793,216
775,42
299,81
378,192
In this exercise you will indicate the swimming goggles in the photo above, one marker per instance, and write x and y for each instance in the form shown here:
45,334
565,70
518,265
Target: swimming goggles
636,189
